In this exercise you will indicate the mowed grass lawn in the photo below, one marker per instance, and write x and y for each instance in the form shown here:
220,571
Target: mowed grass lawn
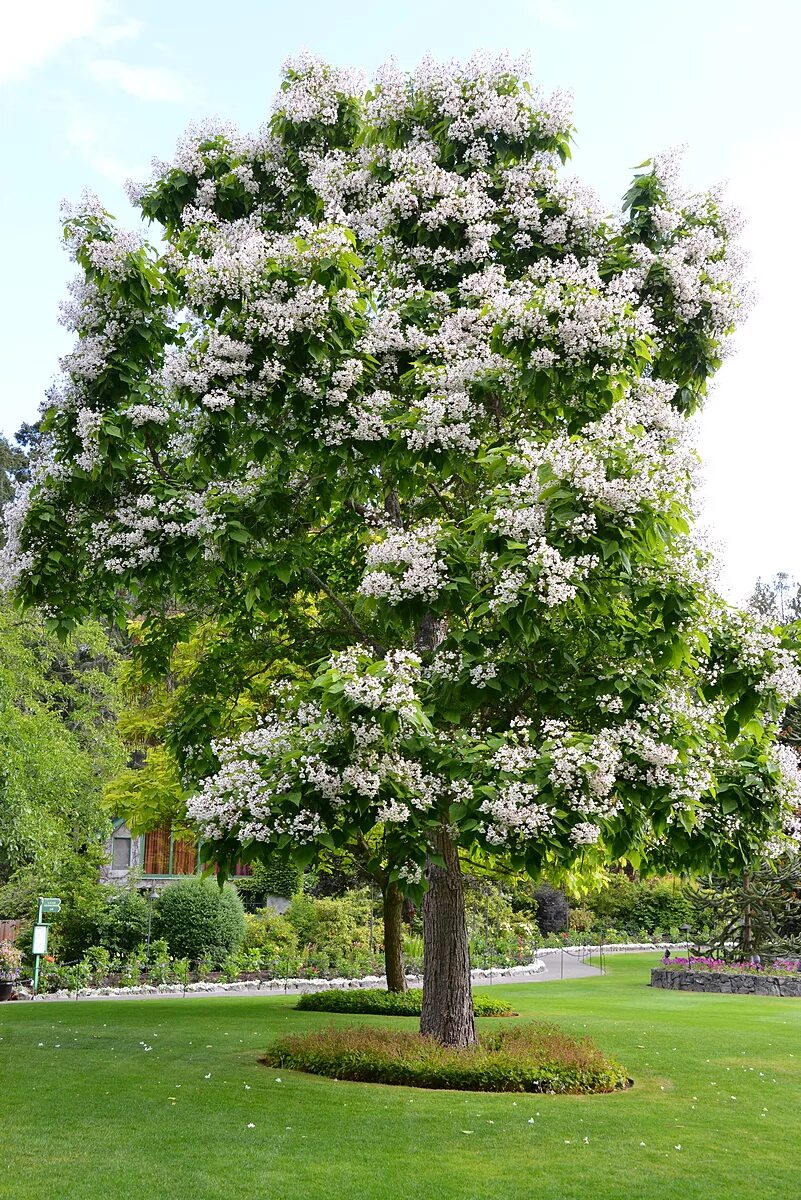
88,1113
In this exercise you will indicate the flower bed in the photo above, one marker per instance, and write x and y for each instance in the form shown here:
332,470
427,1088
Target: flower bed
142,985
390,1004
10,968
520,1058
778,966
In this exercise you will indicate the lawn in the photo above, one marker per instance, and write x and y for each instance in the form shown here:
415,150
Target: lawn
165,1099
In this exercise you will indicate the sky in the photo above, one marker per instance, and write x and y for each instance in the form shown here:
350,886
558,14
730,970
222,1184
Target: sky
92,90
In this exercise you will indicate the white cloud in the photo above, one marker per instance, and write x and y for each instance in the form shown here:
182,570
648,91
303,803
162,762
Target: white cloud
84,137
111,34
751,427
146,83
35,31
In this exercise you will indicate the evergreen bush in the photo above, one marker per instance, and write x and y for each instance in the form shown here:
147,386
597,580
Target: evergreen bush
390,1004
197,917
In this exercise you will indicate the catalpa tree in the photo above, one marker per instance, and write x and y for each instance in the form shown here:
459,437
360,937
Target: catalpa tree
394,381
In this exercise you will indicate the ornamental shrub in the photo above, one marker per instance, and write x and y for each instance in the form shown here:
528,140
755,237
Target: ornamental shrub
582,920
517,1058
552,909
332,925
196,916
273,878
270,932
109,915
390,1004
642,904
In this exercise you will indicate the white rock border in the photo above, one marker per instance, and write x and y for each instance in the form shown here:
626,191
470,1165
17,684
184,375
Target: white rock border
294,985
273,986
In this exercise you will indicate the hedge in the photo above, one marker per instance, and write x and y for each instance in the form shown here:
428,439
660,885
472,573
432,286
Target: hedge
390,1004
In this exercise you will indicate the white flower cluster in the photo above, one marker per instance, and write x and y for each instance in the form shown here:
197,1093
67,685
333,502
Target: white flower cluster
314,90
389,685
545,572
516,811
584,771
414,554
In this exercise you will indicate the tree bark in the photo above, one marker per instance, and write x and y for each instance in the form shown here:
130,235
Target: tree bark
447,995
393,938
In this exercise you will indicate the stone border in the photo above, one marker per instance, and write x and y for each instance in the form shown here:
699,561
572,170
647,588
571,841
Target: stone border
723,982
279,986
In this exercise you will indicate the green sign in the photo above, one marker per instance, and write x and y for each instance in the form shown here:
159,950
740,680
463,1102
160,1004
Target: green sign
51,904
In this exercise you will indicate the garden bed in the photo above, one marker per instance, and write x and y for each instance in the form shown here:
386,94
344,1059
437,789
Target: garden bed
390,1004
521,1058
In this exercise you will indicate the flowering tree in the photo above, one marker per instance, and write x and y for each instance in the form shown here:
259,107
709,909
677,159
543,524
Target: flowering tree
394,392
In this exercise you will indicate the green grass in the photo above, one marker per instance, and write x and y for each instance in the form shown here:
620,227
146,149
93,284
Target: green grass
90,1114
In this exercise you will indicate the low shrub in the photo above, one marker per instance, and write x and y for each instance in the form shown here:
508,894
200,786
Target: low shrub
390,1004
97,960
582,920
518,1058
333,925
271,933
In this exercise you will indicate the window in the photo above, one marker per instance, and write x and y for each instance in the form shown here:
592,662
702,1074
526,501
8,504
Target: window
121,850
168,855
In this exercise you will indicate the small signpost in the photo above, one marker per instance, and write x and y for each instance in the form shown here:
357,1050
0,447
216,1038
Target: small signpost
47,904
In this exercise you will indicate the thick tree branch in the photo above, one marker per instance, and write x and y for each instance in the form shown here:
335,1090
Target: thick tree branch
314,578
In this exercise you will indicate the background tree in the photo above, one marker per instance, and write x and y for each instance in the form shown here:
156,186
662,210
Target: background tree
395,390
13,469
58,745
757,910
777,600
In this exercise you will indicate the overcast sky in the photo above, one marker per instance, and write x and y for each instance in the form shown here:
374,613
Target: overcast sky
90,91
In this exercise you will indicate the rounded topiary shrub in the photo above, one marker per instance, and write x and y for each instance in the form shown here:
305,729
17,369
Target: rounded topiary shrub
199,918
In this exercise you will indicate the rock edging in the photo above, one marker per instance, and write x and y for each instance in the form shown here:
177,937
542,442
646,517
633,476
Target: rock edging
284,985
722,982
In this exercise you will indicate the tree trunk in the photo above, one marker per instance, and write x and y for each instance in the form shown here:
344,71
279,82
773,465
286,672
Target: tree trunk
393,938
447,995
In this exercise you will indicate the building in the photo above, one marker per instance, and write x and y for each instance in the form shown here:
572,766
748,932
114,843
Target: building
155,858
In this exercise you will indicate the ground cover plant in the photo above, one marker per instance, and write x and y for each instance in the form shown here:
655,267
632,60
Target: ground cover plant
392,1004
168,1081
523,1058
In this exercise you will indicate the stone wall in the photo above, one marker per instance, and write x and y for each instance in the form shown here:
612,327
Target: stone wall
720,981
